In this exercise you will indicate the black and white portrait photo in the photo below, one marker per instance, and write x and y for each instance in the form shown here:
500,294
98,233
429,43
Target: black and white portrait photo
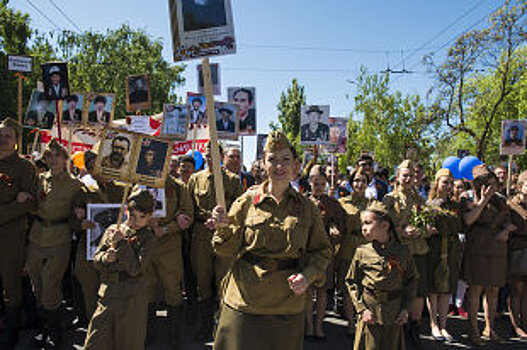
314,125
137,92
245,99
40,112
226,120
100,108
512,137
102,215
215,77
152,158
159,196
72,109
174,121
196,109
55,78
115,154
203,14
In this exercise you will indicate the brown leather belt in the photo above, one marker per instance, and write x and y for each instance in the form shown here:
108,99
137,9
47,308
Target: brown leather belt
270,263
46,222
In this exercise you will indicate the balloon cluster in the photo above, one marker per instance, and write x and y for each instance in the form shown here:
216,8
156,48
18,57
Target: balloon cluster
461,168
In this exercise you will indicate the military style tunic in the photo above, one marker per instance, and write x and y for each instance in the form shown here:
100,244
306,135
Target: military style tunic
485,258
270,241
16,175
50,236
119,322
518,239
209,269
167,259
449,223
333,215
400,204
383,279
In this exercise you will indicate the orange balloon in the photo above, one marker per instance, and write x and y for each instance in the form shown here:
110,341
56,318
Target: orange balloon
78,159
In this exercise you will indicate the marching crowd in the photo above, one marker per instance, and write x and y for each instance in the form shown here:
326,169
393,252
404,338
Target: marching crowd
260,273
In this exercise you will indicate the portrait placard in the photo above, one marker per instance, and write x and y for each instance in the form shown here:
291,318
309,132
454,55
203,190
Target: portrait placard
338,139
201,28
99,109
226,120
152,161
245,99
513,137
55,78
160,210
314,125
116,154
138,92
260,143
175,122
40,112
72,109
103,215
19,63
197,109
215,77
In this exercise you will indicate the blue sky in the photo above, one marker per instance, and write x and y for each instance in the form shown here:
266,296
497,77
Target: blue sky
326,42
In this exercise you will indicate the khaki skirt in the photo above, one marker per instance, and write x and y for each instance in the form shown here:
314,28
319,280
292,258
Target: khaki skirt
381,337
242,331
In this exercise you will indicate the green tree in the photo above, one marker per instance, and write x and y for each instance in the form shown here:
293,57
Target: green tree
392,125
471,109
289,107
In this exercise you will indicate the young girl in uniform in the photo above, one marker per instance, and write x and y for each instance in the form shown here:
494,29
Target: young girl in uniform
382,282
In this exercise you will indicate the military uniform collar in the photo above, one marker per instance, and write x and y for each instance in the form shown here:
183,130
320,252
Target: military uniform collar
262,195
383,246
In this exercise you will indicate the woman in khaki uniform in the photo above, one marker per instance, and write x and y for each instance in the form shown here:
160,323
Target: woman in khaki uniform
518,258
50,237
354,205
484,265
402,203
280,247
382,282
333,217
444,256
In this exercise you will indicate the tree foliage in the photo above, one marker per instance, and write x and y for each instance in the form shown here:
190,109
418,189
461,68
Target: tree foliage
289,111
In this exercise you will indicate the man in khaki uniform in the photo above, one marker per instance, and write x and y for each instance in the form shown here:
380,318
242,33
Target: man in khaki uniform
17,175
401,203
209,268
167,260
102,191
123,255
50,237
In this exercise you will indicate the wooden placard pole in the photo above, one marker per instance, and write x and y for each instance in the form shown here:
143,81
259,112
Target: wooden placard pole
213,135
58,110
509,176
20,110
70,138
123,202
37,136
332,171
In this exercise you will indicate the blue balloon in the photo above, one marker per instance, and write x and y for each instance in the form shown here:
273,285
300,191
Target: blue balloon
452,164
466,165
198,159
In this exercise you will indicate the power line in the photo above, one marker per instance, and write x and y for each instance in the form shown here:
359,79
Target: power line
328,49
65,16
454,38
43,15
441,32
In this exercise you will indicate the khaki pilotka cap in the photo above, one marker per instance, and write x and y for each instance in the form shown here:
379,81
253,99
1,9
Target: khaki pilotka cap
378,208
317,170
143,200
55,145
443,172
13,124
277,141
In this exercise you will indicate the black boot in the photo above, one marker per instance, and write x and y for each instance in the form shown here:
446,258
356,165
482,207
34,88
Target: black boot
206,320
39,339
9,334
53,325
174,314
412,336
151,324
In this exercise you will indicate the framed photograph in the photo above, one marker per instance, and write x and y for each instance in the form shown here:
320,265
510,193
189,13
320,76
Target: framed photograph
138,92
55,78
513,137
197,109
226,120
103,215
40,112
314,125
115,154
245,99
152,161
175,122
160,209
260,143
72,109
99,109
201,28
338,139
215,75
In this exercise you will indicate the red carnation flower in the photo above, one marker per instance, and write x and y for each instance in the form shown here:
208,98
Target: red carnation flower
256,199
